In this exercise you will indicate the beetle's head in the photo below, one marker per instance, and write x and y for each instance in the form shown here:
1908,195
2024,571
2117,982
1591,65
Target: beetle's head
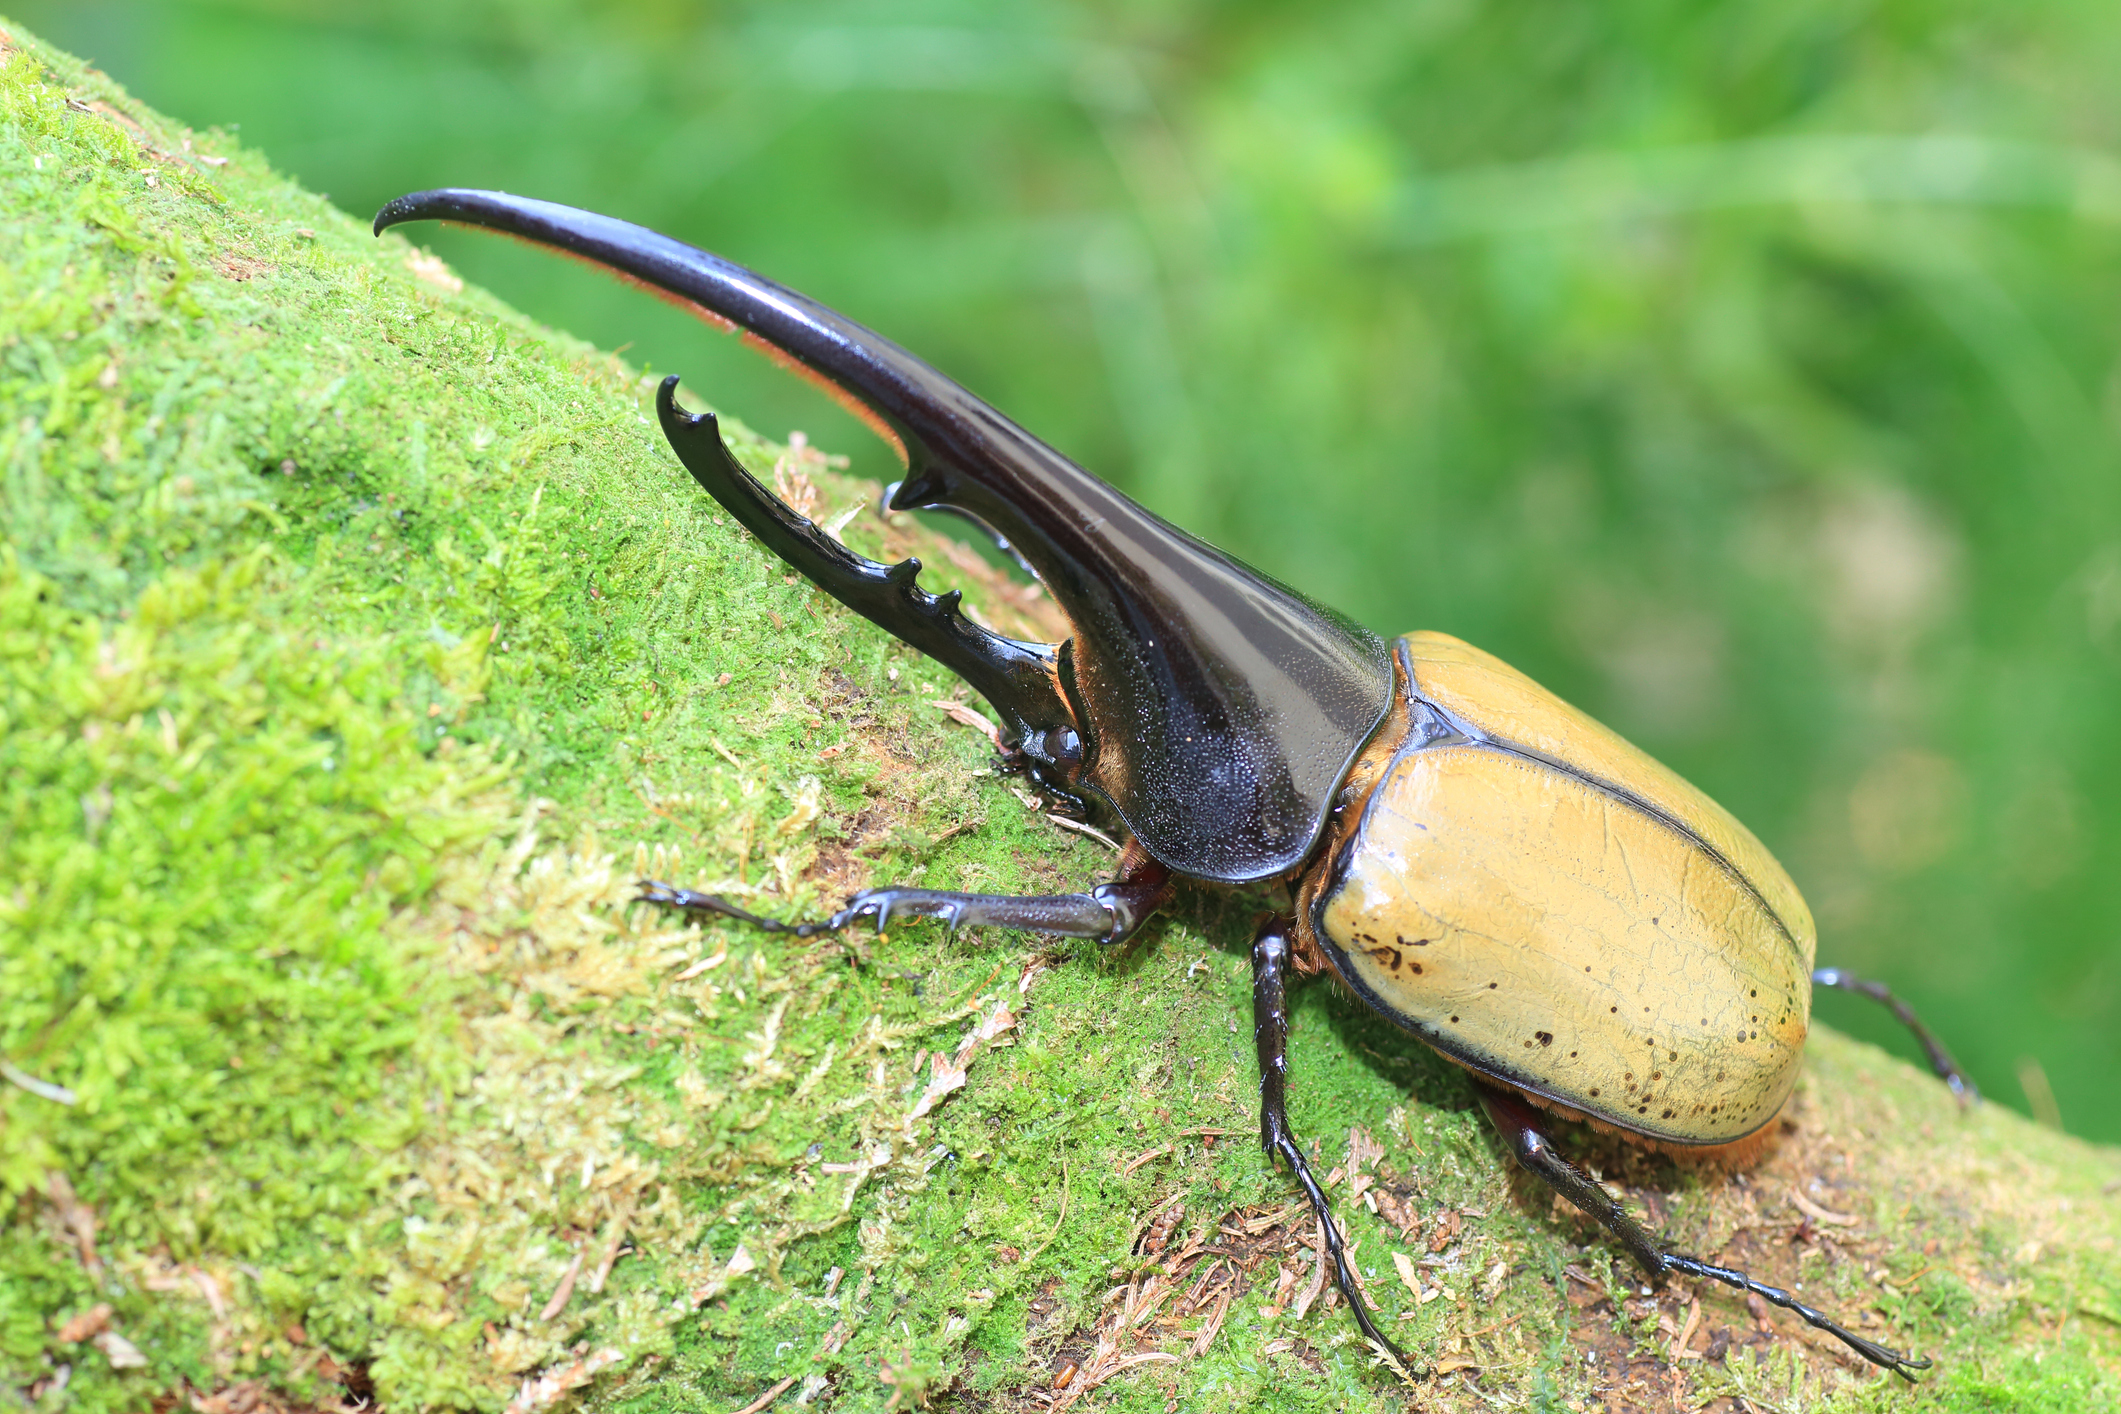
1053,759
1214,710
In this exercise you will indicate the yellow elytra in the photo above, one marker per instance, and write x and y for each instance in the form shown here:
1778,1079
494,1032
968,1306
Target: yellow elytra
1547,905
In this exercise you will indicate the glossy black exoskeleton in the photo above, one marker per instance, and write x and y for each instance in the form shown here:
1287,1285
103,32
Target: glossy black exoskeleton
1214,714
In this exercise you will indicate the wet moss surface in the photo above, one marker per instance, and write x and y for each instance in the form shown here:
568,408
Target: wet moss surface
360,643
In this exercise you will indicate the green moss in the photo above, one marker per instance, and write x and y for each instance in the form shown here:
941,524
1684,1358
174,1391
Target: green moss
362,643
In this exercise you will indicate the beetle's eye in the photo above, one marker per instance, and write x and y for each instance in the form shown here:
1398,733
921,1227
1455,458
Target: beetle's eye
1063,746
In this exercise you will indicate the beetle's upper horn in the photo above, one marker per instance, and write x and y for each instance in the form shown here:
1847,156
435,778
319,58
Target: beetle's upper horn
1218,708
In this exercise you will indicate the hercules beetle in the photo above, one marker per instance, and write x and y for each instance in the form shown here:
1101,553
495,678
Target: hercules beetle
1486,867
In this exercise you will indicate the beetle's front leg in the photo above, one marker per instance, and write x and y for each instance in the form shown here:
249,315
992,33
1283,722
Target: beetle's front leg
1109,913
1271,953
1522,1130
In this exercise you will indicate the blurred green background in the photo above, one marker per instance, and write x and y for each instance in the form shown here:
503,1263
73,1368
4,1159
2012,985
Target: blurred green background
1747,373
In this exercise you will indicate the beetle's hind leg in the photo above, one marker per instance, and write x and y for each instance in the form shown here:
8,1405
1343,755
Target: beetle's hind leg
1520,1127
1272,951
1940,1059
1109,913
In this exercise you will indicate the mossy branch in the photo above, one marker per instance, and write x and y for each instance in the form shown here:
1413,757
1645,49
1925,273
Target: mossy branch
362,643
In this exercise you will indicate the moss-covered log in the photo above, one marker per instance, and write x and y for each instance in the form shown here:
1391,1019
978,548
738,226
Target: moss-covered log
360,642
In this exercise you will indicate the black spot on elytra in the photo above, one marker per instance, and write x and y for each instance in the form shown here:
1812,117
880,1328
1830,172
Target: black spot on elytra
1492,986
1545,1038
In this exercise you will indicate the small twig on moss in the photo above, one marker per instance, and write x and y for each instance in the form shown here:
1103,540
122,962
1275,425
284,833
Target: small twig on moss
976,990
1155,1153
1214,1326
43,1089
768,1397
80,1220
563,1291
1057,1221
1317,1283
1818,1214
612,1238
969,717
541,1390
1082,829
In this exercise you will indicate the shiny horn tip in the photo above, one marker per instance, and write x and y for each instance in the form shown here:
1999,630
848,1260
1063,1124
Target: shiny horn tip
439,204
666,406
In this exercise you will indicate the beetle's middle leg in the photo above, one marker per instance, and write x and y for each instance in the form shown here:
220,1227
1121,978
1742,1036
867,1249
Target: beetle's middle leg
1523,1131
1272,949
1109,913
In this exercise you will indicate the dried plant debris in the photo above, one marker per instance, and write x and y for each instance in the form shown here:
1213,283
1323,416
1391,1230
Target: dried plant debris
360,644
